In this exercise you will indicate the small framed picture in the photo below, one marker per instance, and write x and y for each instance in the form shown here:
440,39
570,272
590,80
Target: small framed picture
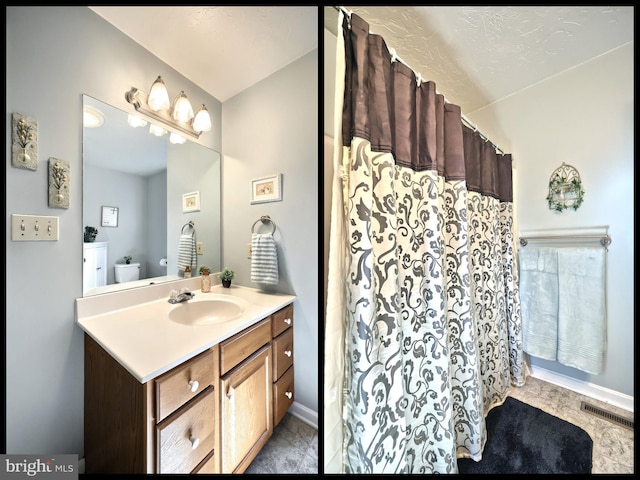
191,202
109,216
267,189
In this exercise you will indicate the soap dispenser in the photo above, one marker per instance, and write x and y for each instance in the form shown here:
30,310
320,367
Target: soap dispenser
187,272
205,281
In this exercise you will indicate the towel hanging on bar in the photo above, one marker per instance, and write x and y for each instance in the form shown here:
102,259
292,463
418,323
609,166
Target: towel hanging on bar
264,258
187,251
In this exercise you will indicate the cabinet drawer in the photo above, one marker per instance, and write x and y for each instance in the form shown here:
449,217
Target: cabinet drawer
208,465
235,349
282,353
178,386
186,437
283,396
281,320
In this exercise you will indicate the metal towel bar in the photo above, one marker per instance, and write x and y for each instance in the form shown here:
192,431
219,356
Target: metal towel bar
605,240
265,219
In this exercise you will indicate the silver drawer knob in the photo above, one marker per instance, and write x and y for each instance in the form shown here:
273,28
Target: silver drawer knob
194,385
195,441
287,353
287,321
288,394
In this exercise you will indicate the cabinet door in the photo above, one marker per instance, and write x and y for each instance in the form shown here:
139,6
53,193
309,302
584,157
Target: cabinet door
94,271
246,414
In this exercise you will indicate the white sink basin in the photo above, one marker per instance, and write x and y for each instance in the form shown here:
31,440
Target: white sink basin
207,312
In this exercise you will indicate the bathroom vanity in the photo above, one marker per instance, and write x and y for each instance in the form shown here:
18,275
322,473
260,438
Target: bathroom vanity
193,387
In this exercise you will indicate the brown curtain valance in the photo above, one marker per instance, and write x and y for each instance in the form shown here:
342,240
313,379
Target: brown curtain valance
384,104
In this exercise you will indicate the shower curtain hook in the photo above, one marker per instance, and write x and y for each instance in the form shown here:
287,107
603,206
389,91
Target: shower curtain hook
394,57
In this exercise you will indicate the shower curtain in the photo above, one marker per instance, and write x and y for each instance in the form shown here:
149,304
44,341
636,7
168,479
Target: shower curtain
423,328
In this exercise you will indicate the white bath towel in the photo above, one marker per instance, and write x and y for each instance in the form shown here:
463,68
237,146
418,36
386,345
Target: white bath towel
581,316
187,254
264,259
539,301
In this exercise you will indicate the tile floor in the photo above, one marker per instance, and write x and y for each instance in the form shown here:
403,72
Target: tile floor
613,451
293,448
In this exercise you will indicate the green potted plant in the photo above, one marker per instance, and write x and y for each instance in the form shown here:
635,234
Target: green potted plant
90,234
127,259
226,275
202,269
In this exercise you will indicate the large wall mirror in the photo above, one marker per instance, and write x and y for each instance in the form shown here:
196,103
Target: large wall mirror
160,190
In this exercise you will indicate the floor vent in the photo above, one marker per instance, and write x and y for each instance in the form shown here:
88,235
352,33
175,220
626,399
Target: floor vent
612,417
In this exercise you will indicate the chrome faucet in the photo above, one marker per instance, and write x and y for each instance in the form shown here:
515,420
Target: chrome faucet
183,296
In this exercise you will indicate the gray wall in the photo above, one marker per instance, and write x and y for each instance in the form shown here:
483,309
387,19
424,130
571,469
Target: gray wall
54,56
272,128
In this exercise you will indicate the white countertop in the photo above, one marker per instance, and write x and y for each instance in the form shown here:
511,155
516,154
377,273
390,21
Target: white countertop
135,329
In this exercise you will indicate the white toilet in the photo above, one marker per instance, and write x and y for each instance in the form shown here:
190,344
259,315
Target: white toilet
127,272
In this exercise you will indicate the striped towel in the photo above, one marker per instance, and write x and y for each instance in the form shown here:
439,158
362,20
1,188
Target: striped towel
264,259
187,252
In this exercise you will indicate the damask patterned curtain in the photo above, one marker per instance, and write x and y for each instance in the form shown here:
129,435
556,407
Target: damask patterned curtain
425,301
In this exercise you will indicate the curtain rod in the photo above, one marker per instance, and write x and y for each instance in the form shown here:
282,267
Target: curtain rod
394,56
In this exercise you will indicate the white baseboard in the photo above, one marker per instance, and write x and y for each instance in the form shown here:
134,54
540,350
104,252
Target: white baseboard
305,414
585,388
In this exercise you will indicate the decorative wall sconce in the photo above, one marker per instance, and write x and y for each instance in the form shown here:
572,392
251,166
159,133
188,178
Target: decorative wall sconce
24,141
180,115
565,189
59,180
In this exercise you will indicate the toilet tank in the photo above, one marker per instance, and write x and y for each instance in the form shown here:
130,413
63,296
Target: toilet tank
127,272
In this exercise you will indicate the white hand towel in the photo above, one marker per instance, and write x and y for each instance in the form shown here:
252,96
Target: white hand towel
264,259
539,301
187,254
581,317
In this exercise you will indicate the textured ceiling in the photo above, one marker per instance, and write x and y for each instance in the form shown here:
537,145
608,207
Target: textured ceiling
479,55
223,50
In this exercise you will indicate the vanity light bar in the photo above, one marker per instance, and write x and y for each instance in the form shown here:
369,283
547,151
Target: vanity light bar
138,99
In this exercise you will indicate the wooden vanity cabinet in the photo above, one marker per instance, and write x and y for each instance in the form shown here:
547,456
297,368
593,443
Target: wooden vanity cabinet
245,396
282,338
167,425
211,414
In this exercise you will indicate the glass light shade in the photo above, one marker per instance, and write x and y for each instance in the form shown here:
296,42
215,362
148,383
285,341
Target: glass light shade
182,109
202,120
135,121
156,130
158,96
175,138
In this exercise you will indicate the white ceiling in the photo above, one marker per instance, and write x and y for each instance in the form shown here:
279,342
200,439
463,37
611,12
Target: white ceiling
223,50
479,55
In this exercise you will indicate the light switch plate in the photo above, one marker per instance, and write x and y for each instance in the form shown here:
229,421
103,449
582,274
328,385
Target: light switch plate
248,250
33,227
199,248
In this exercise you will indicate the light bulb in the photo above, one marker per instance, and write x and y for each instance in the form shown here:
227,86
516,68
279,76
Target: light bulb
156,130
135,121
158,96
202,120
182,109
175,138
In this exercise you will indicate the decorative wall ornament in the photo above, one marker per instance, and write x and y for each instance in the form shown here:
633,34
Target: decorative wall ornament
109,216
191,202
565,189
24,141
267,189
58,183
